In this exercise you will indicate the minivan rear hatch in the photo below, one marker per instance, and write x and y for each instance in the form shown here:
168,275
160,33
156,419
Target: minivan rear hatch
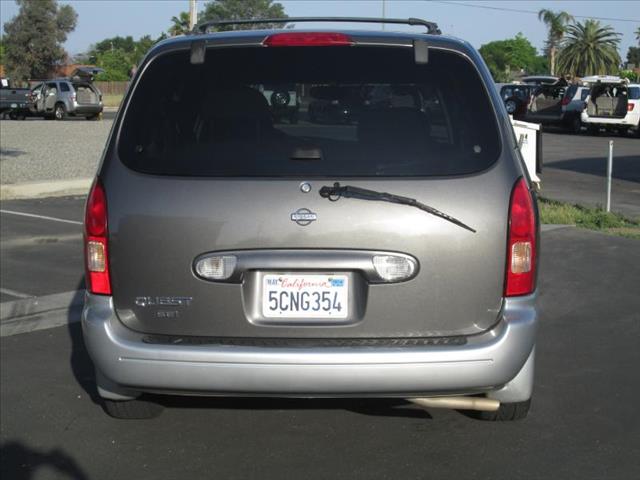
217,225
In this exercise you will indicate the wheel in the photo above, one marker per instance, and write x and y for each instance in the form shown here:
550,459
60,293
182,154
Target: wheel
506,413
512,106
59,112
13,115
576,125
132,409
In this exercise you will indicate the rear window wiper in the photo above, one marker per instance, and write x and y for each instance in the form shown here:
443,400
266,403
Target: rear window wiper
337,191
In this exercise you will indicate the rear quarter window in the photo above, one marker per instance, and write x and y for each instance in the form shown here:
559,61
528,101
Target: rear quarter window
634,93
323,112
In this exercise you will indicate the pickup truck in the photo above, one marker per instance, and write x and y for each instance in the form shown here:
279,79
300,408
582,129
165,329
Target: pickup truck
14,101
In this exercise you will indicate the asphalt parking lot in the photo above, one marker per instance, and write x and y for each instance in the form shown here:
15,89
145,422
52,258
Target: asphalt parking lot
583,424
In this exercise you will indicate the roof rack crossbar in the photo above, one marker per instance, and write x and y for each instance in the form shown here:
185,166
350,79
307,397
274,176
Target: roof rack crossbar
432,27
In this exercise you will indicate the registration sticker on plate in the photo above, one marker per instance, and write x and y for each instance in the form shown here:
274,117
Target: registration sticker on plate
305,296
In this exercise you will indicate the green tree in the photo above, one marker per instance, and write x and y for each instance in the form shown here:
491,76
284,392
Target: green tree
243,9
180,24
633,56
505,56
34,37
589,49
118,54
116,64
556,23
638,35
2,51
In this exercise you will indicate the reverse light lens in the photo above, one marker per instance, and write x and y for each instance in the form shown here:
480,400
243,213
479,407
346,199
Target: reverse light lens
96,257
521,257
393,268
308,39
219,267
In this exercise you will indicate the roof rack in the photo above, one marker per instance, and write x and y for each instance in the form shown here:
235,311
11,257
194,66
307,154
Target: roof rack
432,27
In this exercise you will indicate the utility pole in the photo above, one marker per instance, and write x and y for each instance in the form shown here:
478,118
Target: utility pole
193,14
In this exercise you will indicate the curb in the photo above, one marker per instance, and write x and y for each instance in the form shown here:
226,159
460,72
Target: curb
40,313
55,188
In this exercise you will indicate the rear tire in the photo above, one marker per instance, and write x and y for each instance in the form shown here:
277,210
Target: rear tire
132,409
507,412
59,112
576,125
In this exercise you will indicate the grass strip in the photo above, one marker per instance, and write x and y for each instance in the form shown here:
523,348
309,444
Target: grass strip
555,212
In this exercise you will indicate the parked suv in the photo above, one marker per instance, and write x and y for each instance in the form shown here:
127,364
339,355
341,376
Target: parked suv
229,253
74,96
612,104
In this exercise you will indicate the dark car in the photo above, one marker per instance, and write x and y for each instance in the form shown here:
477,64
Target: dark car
516,98
230,253
14,102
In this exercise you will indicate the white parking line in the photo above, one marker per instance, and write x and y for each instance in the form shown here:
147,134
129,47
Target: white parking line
13,293
42,217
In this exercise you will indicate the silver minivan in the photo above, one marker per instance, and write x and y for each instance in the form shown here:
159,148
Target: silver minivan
231,253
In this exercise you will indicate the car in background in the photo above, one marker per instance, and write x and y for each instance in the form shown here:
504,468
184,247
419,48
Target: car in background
557,103
75,96
613,103
14,102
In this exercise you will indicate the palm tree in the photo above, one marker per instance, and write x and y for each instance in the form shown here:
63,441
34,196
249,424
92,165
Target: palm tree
589,49
557,25
180,24
638,35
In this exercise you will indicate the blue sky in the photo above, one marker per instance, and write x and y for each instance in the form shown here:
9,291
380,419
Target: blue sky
99,19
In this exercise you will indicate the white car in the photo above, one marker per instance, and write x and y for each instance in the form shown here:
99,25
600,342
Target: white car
612,103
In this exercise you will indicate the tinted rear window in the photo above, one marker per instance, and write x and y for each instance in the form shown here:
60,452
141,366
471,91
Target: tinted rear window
330,111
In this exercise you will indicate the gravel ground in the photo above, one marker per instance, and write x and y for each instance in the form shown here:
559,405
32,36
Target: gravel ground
40,150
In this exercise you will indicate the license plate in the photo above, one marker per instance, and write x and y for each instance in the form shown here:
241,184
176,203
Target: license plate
305,296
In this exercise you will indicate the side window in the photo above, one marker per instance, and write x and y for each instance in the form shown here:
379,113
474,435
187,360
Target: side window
584,94
52,87
64,87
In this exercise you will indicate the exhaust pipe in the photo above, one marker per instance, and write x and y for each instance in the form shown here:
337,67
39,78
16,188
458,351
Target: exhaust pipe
481,404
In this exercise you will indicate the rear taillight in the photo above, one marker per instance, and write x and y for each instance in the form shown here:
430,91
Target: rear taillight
630,107
521,254
95,242
565,101
308,39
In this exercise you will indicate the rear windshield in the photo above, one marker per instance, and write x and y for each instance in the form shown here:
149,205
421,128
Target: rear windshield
330,111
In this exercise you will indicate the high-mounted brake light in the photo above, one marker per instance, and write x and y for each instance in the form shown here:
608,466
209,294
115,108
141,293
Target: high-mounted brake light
308,39
95,238
521,254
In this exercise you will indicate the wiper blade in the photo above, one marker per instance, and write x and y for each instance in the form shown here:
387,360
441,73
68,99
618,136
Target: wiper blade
337,191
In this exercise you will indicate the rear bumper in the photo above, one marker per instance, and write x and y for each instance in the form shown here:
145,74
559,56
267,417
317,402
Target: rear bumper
90,109
486,362
629,120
